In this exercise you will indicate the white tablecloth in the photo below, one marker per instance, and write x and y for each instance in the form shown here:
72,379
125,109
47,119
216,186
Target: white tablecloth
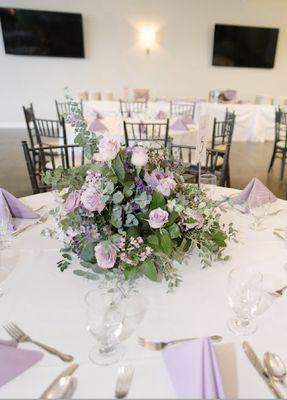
49,305
254,122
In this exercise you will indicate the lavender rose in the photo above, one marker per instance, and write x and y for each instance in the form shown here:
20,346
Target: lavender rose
92,200
108,149
139,156
105,254
165,186
72,201
157,218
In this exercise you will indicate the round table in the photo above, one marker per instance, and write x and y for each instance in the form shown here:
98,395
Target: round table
49,305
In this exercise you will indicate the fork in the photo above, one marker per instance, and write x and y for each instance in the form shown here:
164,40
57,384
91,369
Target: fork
41,220
124,380
161,345
279,292
16,333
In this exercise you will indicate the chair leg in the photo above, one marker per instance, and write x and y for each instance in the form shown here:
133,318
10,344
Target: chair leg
283,165
228,176
272,159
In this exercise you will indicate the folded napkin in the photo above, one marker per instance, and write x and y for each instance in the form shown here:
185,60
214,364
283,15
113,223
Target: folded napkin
14,361
187,119
161,115
96,114
255,185
97,125
179,125
193,370
11,207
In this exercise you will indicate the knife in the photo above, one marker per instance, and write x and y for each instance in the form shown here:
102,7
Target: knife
51,389
259,367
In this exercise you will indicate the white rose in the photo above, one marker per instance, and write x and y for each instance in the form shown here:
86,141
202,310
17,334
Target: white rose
139,156
108,149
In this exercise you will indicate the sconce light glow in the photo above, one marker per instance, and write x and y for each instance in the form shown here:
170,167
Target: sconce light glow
147,37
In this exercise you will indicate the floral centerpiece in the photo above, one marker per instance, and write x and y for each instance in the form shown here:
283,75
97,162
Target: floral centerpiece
130,211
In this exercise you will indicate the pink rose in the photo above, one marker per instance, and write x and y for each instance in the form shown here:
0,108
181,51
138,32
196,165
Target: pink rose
157,218
72,201
108,149
92,200
165,186
105,254
139,156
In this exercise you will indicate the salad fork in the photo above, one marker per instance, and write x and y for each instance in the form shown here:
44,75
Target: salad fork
17,334
161,345
41,220
125,376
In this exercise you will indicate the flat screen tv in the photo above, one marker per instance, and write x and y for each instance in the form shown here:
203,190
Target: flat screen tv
244,46
42,33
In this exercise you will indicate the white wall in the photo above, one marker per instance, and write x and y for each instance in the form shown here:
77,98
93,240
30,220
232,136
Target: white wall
179,66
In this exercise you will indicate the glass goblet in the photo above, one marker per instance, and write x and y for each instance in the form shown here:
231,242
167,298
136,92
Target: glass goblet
208,182
258,204
105,323
244,294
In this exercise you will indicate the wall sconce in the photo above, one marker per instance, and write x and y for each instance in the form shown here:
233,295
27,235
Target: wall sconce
147,37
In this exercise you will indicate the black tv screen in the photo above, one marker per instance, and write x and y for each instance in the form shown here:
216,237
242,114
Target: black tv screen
42,33
244,46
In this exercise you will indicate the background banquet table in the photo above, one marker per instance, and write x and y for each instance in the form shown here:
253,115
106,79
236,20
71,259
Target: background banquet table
254,122
49,305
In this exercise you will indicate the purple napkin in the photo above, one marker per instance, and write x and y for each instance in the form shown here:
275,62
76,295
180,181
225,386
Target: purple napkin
193,370
179,125
96,114
187,119
161,115
12,207
14,361
97,125
255,185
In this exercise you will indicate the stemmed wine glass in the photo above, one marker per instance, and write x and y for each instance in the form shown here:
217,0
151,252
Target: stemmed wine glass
244,294
258,203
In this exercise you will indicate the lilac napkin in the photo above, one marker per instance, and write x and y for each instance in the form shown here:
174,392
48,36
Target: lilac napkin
179,125
14,361
11,207
187,119
161,115
193,370
97,125
255,185
96,114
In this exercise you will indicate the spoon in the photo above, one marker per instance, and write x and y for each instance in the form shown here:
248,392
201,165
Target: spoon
60,390
275,367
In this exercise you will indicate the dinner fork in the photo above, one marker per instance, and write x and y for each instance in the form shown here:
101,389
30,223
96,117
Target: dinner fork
161,345
41,220
16,333
124,380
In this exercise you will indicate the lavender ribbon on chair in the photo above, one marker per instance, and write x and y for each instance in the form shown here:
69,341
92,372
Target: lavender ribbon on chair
193,370
255,185
15,361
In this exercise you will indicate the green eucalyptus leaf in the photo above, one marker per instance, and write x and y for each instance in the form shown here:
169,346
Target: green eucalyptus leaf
149,270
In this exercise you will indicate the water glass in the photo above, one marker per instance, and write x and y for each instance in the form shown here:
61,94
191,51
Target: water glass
244,294
208,182
105,322
258,203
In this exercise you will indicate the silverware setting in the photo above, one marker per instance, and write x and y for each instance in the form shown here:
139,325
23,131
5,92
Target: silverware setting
161,345
277,212
124,380
261,370
279,292
17,334
275,367
62,386
41,220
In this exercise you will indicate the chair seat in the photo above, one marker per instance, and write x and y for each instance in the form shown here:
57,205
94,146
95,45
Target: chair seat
220,147
58,162
52,141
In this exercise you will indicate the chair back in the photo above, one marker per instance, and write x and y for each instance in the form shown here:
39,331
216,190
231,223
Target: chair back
64,108
48,159
51,130
147,132
223,131
129,108
181,109
29,118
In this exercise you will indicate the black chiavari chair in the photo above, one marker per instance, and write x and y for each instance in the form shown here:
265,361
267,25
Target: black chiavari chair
49,132
181,109
280,143
64,108
129,108
50,157
184,155
136,132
